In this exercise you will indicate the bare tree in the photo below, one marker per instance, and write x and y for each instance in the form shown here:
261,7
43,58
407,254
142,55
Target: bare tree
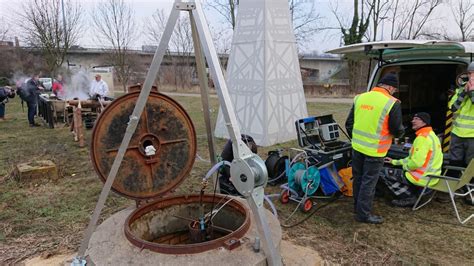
409,18
4,29
180,47
114,22
156,27
226,8
355,33
182,43
463,12
306,21
222,39
47,28
395,10
379,14
360,22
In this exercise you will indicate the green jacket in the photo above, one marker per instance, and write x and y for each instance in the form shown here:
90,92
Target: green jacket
463,108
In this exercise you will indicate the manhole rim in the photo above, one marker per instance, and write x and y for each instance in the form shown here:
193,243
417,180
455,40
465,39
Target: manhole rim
188,248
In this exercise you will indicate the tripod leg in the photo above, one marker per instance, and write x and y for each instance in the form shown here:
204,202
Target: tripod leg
132,126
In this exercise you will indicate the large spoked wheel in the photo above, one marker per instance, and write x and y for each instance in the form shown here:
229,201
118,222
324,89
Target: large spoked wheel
164,127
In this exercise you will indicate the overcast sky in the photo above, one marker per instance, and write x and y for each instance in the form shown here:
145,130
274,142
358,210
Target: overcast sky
145,8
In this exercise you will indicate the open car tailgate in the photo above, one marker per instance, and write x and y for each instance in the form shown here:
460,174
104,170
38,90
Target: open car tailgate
387,50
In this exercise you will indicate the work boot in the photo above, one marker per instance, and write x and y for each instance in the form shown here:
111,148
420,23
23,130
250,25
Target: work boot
468,200
406,202
371,219
443,198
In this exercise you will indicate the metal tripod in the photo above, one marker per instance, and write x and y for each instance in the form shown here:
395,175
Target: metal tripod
248,171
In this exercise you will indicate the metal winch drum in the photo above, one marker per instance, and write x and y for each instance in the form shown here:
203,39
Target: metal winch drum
164,224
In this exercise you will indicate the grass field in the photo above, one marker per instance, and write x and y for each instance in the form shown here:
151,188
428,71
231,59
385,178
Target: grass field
47,217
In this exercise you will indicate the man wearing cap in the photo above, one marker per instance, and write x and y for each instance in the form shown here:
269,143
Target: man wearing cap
98,87
374,119
461,147
425,158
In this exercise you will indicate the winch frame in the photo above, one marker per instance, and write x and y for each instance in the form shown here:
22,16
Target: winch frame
248,171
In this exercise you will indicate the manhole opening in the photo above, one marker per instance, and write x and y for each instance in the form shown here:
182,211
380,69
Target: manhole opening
174,225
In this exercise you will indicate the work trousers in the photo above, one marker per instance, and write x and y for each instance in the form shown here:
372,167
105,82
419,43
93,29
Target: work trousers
365,171
397,183
31,112
2,110
461,150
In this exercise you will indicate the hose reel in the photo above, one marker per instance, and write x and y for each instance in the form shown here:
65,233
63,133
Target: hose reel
302,179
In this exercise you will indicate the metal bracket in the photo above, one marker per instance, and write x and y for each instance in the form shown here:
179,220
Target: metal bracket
185,6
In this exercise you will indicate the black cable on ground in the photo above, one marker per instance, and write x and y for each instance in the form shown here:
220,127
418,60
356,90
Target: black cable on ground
336,197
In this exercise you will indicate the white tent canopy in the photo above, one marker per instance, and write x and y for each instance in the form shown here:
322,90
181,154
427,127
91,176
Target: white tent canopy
263,74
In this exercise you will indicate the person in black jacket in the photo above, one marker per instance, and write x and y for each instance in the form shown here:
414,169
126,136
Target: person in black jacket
5,93
369,147
33,89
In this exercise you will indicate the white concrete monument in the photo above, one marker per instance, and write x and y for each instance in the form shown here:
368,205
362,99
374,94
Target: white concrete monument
263,74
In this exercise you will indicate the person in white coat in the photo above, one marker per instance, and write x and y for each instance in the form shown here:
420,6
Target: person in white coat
98,87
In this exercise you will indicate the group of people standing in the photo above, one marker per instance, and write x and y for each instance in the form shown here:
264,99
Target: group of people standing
30,89
376,118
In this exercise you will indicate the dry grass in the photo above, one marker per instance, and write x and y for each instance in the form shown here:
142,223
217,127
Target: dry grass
48,217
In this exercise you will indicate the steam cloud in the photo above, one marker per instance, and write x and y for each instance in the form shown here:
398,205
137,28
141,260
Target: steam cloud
79,86
19,78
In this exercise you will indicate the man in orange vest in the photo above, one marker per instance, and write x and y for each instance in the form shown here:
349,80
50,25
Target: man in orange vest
375,118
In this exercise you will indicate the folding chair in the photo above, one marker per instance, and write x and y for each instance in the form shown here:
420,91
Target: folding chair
451,185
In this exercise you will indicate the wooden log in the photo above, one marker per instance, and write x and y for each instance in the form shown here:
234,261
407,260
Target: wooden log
78,129
88,103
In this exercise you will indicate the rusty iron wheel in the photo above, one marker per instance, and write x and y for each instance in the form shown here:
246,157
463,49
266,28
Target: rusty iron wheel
165,125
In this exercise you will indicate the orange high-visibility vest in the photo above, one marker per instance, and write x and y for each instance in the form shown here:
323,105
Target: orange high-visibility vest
371,135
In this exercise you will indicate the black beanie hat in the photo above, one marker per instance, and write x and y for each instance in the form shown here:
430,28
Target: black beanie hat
424,116
389,79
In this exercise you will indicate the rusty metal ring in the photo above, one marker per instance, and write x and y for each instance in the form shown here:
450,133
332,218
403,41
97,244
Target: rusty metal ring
165,125
168,202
